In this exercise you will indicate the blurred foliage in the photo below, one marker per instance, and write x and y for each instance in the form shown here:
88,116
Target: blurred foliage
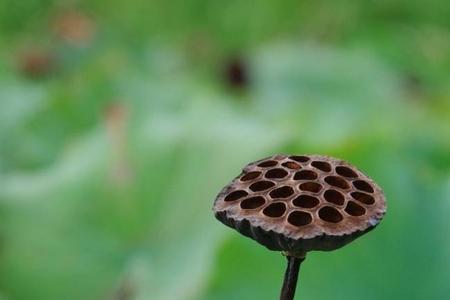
119,124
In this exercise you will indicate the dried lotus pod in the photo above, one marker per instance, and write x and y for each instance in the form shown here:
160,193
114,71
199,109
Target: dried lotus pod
297,204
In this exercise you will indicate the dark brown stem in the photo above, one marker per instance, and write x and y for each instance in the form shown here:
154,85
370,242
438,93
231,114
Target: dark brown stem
290,277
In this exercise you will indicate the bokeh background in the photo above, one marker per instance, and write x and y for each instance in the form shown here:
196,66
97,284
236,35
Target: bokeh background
121,120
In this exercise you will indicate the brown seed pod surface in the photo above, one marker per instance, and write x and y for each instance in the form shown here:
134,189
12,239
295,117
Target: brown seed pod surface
301,203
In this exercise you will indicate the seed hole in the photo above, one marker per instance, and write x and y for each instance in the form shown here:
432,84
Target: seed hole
275,210
268,163
252,202
291,165
363,186
299,158
306,201
310,187
321,165
276,173
261,185
281,192
305,175
334,196
299,218
354,209
236,195
337,182
330,214
250,176
346,171
363,198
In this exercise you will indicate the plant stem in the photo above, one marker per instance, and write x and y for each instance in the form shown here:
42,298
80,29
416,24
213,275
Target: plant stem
290,277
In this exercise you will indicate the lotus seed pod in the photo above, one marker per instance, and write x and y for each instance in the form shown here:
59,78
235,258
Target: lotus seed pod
301,203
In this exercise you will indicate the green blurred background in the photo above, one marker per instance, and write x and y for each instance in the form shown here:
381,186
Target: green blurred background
121,120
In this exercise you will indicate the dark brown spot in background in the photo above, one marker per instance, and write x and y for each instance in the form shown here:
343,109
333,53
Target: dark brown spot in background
236,73
37,64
